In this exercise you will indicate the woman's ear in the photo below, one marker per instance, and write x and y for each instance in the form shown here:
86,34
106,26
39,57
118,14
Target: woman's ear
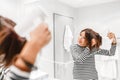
94,42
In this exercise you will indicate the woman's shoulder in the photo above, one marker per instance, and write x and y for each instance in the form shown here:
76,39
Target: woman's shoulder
74,45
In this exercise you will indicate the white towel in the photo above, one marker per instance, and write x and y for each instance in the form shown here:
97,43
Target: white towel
68,37
109,69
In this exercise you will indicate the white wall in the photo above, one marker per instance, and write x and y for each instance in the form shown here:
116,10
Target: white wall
10,9
100,17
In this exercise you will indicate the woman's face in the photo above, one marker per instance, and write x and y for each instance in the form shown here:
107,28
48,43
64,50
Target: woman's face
82,39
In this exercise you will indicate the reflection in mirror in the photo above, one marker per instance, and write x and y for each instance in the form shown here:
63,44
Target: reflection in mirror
102,17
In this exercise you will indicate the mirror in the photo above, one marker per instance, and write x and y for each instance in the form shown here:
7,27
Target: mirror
101,17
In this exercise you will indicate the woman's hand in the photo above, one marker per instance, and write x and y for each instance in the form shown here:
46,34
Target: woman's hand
94,42
112,36
41,34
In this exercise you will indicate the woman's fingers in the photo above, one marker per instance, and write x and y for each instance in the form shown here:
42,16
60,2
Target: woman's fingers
41,34
111,35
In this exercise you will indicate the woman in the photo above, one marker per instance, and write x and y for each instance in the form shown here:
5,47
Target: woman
84,52
20,54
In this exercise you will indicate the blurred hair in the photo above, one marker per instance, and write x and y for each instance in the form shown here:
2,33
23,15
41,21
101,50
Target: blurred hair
91,34
88,36
98,40
10,42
